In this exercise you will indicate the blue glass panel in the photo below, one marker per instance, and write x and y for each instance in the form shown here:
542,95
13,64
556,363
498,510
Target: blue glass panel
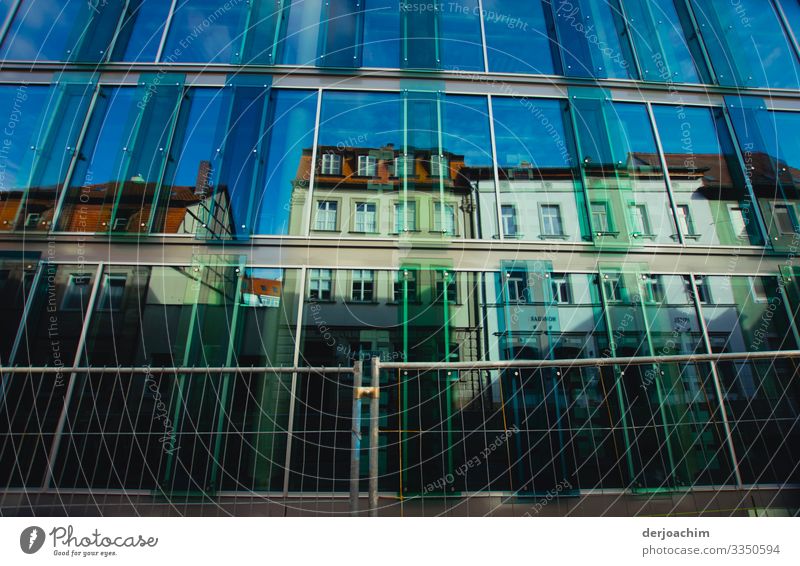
263,27
141,31
627,192
459,32
592,39
382,37
791,10
203,31
771,152
280,206
711,198
302,38
342,31
193,163
518,37
26,110
541,193
747,44
47,30
664,40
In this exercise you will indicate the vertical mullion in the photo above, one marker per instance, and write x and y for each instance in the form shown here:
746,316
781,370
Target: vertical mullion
6,25
62,419
629,38
495,171
167,25
665,172
483,37
293,394
312,178
76,155
717,383
787,28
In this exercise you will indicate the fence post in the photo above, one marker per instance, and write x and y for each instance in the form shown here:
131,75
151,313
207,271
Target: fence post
355,443
374,407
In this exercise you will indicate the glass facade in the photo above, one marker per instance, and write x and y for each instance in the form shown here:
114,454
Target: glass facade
210,211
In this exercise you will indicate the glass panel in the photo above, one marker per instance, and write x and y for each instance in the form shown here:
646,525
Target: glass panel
626,188
303,39
459,32
16,278
763,404
30,404
26,128
665,41
238,164
53,149
791,10
261,41
62,30
141,32
282,206
538,169
203,31
713,202
747,44
382,34
771,153
746,314
117,178
518,37
593,39
342,28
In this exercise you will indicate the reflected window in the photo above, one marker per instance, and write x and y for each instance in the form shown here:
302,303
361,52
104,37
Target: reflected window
404,166
112,292
641,221
366,217
509,214
785,218
444,219
331,164
560,289
517,287
405,286
551,220
600,220
405,217
326,216
367,165
439,166
653,291
363,286
320,284
76,295
446,288
613,287
685,220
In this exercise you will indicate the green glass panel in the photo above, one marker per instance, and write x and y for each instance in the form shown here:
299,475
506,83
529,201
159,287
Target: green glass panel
540,183
711,194
262,31
665,42
626,190
771,154
745,314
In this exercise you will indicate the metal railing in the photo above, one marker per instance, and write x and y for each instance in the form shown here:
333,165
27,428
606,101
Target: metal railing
372,391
